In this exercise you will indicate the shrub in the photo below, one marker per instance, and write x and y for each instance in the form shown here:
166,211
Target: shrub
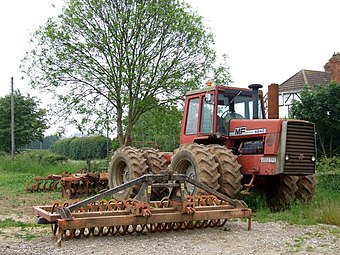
3,153
43,157
62,147
82,148
328,165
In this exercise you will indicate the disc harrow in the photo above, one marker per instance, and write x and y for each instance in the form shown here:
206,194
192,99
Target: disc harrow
96,216
77,185
71,185
49,183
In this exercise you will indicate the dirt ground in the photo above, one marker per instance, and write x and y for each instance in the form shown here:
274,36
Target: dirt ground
233,238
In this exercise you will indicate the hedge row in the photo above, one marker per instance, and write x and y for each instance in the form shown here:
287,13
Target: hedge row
82,148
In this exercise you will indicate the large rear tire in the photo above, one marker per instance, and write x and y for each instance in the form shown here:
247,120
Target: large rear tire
156,164
155,161
126,164
197,162
229,169
281,191
306,188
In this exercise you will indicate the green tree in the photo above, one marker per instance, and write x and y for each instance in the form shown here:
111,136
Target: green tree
82,148
160,126
62,147
221,74
321,106
29,121
117,59
47,142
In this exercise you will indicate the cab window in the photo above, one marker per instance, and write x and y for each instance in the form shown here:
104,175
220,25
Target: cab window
207,114
192,119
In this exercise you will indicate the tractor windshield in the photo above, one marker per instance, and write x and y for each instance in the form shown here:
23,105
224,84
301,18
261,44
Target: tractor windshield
236,106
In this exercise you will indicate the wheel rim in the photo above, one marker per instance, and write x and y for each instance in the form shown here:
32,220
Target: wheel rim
187,168
126,174
121,175
190,172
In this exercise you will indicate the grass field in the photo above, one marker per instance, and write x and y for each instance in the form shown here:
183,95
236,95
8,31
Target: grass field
324,207
14,200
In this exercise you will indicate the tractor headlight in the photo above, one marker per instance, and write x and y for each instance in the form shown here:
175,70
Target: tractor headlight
313,158
287,157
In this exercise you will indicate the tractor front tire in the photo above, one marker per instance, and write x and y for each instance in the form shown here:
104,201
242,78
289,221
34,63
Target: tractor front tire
306,188
229,169
197,162
126,164
281,191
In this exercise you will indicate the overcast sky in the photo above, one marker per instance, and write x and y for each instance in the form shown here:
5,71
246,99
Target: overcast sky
267,41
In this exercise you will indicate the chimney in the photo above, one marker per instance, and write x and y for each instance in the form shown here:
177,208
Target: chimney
332,67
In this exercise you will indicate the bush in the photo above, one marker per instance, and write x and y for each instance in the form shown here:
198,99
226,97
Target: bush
62,147
82,148
328,165
43,157
3,153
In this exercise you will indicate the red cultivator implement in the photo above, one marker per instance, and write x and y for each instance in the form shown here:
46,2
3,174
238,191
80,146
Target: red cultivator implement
49,183
77,185
99,217
72,185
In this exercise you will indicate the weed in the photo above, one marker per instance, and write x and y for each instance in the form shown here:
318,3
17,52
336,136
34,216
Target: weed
297,245
324,207
335,231
25,236
309,248
12,223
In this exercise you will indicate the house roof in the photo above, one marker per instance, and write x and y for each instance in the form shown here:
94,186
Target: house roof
303,77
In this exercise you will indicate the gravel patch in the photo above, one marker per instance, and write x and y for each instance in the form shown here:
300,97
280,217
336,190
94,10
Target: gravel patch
233,238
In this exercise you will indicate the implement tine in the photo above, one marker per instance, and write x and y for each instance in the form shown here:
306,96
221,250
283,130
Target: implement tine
109,192
235,202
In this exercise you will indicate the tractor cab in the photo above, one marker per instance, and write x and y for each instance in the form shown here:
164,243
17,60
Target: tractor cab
209,112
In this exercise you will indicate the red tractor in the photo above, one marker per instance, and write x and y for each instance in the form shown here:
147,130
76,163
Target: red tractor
228,144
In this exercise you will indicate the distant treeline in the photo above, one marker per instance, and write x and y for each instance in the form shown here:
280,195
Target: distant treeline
82,148
46,143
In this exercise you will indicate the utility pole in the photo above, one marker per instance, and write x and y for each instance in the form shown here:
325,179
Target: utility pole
12,119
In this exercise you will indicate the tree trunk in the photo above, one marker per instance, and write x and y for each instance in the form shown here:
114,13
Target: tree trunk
322,144
120,125
331,145
128,131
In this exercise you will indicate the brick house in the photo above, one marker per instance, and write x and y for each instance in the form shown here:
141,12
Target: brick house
291,88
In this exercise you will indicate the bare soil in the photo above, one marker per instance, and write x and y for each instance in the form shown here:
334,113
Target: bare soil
233,238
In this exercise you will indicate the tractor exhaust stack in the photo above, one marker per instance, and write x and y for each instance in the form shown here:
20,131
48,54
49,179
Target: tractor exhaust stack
255,88
273,101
